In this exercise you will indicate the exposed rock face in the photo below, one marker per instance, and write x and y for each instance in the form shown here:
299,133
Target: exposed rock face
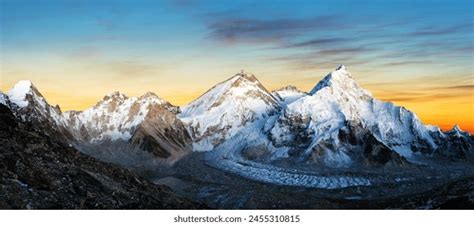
352,146
336,107
372,151
240,114
337,124
162,134
228,108
457,144
29,105
140,133
282,138
5,100
116,122
115,117
38,171
146,123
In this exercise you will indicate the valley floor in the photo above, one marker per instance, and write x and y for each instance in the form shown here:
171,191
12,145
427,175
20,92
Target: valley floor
443,186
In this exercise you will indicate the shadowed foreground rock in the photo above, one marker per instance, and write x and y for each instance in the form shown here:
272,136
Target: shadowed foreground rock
38,172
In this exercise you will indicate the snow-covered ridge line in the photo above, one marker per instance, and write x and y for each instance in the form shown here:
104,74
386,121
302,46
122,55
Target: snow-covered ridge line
242,82
227,109
250,131
4,99
115,117
289,94
25,98
18,93
313,125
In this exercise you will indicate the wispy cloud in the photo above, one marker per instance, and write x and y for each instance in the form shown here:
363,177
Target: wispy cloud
317,42
462,88
301,40
435,31
343,51
403,63
328,57
234,30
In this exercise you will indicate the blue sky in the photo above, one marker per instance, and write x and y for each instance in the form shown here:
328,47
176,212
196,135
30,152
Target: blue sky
400,31
402,51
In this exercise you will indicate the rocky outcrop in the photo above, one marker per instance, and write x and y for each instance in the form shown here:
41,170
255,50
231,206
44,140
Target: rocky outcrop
29,105
317,124
162,134
337,124
113,130
38,171
457,145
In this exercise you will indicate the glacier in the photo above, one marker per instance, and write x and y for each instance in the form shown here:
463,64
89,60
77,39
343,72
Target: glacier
241,127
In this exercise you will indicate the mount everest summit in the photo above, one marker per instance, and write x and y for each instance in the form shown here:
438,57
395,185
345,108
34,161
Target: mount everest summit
240,105
337,124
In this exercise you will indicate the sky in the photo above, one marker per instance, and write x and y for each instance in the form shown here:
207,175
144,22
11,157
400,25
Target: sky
417,54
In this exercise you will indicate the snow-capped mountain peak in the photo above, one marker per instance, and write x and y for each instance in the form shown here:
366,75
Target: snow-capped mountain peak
339,124
117,98
340,80
114,120
116,116
341,67
457,131
289,88
239,86
4,99
339,87
149,95
456,128
245,79
18,94
338,103
116,95
30,106
26,96
226,108
289,94
246,75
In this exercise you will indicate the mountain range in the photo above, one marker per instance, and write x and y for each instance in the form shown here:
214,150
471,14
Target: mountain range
39,171
337,124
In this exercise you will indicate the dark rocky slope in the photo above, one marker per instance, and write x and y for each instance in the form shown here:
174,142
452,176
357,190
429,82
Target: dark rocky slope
38,171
